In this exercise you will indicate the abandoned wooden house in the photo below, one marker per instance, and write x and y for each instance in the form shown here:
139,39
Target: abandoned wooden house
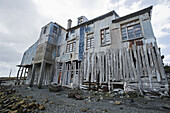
107,52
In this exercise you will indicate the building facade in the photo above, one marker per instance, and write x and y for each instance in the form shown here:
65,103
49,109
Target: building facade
107,51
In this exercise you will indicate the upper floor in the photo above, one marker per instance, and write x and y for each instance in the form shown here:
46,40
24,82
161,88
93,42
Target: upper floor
108,31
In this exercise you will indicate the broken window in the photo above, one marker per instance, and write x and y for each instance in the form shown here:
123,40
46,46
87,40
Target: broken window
45,29
55,29
71,46
90,40
131,30
105,37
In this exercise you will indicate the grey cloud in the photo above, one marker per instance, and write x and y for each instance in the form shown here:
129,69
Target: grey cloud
23,22
166,30
130,2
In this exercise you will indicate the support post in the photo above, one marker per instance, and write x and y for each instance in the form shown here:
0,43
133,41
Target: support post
51,74
32,75
40,78
20,76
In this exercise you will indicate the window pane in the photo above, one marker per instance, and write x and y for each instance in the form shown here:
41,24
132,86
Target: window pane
108,40
130,28
124,38
131,35
71,46
68,46
74,46
92,42
102,32
107,31
55,29
137,26
138,32
123,29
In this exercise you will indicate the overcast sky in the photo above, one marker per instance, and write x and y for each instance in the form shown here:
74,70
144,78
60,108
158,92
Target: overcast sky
21,22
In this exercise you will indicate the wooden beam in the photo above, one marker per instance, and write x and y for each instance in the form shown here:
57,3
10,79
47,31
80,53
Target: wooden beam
41,76
32,75
147,65
160,62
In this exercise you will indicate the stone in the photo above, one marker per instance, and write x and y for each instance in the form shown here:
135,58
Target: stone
84,109
15,107
30,97
147,98
97,100
15,111
111,102
24,110
121,92
46,100
132,94
166,106
55,88
78,97
118,102
101,97
30,105
105,110
41,107
112,95
58,94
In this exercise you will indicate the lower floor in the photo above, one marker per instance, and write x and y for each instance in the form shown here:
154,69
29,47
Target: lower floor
137,68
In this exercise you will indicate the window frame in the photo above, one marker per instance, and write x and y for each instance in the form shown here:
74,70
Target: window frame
104,35
91,37
73,48
131,24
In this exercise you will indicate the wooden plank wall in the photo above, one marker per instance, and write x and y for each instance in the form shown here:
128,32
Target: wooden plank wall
139,67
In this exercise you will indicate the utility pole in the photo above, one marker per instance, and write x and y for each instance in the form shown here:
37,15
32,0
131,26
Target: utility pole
10,73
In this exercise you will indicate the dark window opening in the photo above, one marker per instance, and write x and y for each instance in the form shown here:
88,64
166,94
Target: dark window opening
45,29
55,29
66,36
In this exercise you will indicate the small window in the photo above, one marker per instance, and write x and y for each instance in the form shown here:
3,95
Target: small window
71,46
45,29
55,29
105,37
131,31
90,40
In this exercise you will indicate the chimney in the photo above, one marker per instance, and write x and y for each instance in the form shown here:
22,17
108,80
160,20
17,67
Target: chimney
69,23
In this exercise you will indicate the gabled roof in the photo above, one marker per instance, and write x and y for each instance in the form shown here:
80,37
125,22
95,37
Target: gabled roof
95,19
146,10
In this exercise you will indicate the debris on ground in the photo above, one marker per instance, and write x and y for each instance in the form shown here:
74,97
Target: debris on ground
11,102
55,88
75,95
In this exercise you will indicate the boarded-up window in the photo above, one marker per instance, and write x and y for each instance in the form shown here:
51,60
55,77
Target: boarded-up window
55,29
71,46
105,37
131,30
90,40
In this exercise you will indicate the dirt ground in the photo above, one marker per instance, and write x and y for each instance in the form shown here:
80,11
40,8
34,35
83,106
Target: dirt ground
92,102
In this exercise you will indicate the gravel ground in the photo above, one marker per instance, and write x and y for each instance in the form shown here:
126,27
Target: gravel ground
93,102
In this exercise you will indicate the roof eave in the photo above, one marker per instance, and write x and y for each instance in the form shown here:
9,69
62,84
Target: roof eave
146,10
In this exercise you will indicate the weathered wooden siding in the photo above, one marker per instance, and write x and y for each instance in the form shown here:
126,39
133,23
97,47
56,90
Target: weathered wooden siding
139,67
